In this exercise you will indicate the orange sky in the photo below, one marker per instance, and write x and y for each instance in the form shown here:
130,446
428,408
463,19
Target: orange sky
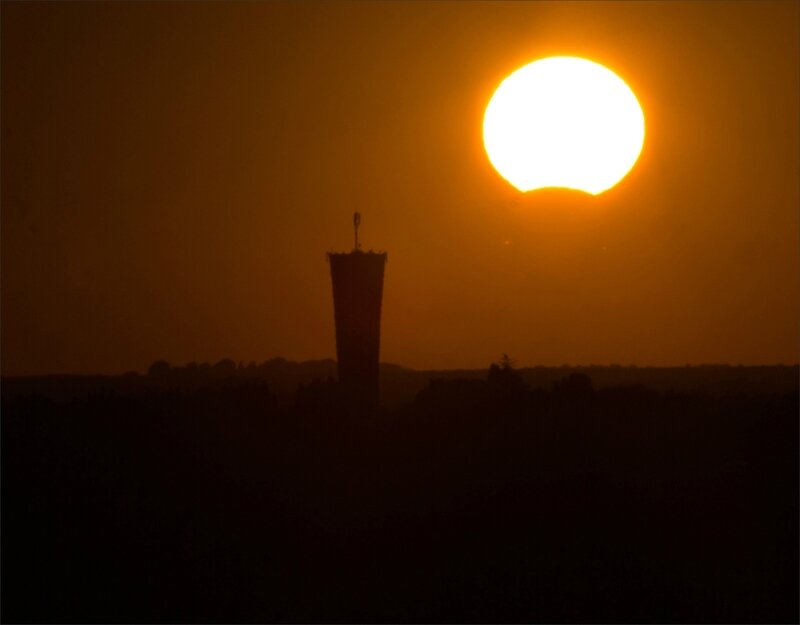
173,174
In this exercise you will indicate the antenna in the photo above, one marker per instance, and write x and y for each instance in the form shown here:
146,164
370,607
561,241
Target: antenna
356,224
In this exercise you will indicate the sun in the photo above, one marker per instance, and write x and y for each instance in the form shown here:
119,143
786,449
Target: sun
563,122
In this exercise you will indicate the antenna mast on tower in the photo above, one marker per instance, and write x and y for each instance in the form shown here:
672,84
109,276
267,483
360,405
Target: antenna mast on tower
356,224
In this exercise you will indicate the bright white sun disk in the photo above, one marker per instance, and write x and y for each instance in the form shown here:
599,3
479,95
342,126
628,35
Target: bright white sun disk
563,122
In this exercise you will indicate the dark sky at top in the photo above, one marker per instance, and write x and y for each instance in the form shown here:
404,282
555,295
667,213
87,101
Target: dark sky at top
173,174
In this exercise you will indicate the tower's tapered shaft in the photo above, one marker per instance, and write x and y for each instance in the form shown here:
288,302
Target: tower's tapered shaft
357,292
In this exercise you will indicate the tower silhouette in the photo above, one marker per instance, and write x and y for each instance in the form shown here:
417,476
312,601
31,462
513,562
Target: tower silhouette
357,278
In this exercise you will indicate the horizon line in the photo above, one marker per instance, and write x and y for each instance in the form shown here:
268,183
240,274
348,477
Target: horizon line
281,360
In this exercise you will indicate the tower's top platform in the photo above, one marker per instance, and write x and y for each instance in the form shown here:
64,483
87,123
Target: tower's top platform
359,254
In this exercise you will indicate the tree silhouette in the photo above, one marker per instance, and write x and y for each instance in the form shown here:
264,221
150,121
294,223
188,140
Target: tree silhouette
506,363
159,368
226,366
503,379
575,385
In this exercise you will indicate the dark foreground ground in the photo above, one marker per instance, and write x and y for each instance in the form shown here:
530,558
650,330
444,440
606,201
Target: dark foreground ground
479,502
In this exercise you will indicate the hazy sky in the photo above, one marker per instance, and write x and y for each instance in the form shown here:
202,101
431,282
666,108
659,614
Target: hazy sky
173,174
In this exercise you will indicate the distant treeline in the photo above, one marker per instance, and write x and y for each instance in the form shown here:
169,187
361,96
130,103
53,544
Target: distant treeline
482,500
400,385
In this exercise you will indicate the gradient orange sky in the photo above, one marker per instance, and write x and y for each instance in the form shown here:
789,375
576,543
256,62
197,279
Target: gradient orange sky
173,174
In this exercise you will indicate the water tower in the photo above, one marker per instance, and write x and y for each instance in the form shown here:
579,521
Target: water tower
357,278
